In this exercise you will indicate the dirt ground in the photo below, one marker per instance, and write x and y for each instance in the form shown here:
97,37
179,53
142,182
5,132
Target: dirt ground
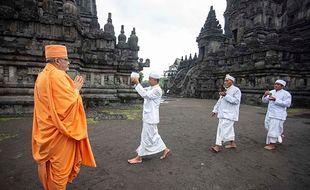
188,130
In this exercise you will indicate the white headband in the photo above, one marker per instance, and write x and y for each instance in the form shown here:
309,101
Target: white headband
282,82
228,77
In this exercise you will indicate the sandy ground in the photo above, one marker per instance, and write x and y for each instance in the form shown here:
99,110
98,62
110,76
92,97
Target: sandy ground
188,130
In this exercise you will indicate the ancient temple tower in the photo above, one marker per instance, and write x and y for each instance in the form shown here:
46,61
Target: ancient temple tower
105,61
263,41
211,36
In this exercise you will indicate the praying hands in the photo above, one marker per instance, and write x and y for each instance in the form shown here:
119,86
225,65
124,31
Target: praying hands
78,82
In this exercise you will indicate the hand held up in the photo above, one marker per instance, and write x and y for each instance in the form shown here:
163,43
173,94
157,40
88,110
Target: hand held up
78,82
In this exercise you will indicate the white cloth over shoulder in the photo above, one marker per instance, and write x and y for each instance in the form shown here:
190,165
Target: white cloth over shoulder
227,107
277,109
152,97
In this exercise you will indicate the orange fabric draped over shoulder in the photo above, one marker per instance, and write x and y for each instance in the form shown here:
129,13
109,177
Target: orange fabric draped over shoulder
60,141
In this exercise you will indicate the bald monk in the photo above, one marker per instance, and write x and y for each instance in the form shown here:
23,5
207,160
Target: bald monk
60,141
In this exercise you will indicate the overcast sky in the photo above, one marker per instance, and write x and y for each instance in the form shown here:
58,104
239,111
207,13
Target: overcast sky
167,29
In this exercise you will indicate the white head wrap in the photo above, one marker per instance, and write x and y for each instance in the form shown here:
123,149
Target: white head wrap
281,82
228,77
154,75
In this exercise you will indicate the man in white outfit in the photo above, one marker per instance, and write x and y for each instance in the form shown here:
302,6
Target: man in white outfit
278,101
151,142
227,111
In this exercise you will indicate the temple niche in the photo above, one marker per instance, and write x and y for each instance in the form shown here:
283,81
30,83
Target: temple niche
263,41
104,60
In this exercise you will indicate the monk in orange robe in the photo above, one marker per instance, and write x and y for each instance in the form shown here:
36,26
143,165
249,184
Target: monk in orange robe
60,141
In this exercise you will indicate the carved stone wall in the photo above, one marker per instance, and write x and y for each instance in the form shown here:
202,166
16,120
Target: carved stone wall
263,41
26,26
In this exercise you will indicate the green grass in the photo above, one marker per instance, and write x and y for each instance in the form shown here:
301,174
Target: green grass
5,136
297,110
133,112
7,118
91,121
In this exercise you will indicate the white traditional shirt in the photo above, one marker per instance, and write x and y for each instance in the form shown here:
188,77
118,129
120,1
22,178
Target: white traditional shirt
227,107
152,96
277,109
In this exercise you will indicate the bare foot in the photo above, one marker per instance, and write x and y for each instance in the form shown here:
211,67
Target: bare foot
136,160
269,147
215,148
231,145
165,154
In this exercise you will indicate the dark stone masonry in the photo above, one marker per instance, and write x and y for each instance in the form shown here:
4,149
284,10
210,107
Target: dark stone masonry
264,40
105,61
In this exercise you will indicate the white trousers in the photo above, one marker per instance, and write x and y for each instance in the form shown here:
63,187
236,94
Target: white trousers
151,142
275,129
225,131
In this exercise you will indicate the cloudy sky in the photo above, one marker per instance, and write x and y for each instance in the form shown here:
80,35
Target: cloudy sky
167,29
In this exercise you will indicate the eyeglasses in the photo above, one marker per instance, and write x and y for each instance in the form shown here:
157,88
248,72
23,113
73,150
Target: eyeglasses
64,59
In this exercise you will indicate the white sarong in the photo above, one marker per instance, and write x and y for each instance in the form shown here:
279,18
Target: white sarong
275,129
225,131
151,142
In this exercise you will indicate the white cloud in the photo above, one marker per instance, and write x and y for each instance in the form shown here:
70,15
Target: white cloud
166,29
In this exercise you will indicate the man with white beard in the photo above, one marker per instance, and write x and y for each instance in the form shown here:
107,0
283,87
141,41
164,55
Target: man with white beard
278,101
151,142
227,110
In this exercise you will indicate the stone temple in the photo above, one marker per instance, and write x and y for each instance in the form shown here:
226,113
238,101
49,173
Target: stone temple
105,61
264,40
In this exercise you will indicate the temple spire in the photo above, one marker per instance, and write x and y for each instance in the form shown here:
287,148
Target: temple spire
211,26
122,37
133,40
108,27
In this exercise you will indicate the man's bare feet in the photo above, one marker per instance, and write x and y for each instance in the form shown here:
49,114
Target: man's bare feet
270,147
215,148
165,154
231,145
135,160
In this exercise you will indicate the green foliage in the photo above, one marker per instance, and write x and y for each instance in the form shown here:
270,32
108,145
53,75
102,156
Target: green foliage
163,82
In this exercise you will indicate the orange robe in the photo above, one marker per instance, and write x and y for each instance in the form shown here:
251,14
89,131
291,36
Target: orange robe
60,141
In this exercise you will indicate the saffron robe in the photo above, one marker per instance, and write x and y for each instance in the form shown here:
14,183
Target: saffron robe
60,141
